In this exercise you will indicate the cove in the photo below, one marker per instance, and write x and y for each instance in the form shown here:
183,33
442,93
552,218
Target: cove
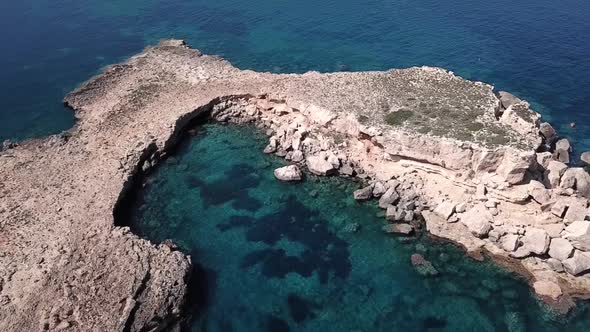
272,256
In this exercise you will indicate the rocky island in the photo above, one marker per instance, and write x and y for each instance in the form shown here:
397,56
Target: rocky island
474,167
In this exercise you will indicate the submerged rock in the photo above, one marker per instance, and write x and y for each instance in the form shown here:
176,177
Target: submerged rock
405,229
422,266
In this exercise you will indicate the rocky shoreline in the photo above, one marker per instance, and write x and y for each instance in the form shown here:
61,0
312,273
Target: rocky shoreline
432,146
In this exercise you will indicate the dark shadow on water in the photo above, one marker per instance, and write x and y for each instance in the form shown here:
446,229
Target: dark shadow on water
233,187
324,251
275,324
299,308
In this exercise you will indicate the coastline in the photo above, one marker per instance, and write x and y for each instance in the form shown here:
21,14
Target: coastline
62,191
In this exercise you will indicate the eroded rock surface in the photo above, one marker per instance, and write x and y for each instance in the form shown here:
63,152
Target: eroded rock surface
419,132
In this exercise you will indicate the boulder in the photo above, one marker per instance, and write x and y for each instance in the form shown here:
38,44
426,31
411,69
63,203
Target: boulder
445,209
577,209
509,242
363,194
576,178
288,173
562,150
394,214
538,192
478,220
543,158
560,249
461,207
513,167
390,197
297,156
559,207
547,288
319,166
555,264
507,99
347,170
578,233
548,133
523,120
379,189
553,173
535,241
405,229
333,159
578,263
585,158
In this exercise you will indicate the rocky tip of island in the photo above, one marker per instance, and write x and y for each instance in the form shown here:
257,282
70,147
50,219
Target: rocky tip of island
438,152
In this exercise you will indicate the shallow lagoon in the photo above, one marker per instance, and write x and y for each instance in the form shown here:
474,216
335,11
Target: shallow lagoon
273,256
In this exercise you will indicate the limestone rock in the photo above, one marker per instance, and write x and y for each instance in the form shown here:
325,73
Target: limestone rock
507,99
543,159
319,166
562,150
548,133
405,229
347,170
445,209
513,167
560,249
578,233
576,178
553,173
288,173
535,241
547,288
461,207
521,118
509,242
394,213
555,264
478,220
363,194
422,266
577,209
578,263
585,158
379,189
538,192
390,197
297,156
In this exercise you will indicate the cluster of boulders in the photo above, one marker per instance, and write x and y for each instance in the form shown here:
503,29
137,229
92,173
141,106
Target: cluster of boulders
559,235
400,200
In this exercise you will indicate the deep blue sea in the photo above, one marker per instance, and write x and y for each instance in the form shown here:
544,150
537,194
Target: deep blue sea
537,49
277,257
274,256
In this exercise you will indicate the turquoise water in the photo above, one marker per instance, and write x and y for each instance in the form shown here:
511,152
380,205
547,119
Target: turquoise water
537,49
273,256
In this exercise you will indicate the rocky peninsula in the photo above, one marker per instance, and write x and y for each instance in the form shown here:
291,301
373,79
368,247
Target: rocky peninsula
475,167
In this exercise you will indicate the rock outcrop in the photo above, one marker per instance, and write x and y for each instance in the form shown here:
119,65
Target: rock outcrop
66,261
